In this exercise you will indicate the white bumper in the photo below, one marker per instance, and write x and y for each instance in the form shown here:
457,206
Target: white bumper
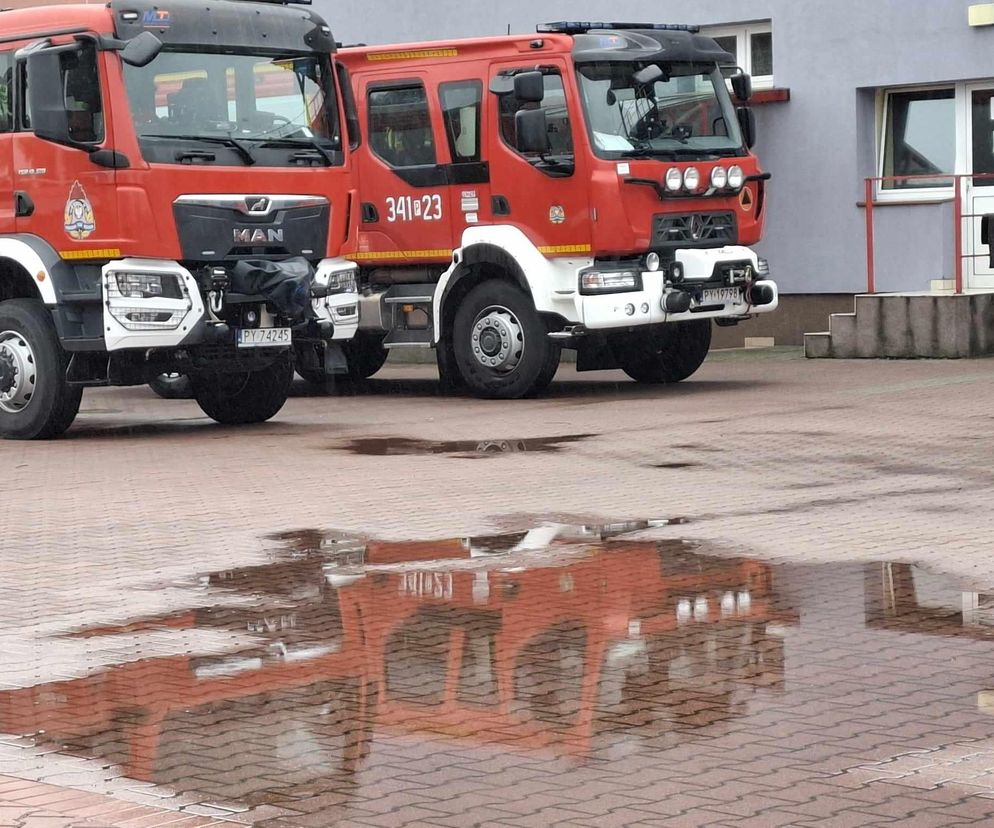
342,309
646,306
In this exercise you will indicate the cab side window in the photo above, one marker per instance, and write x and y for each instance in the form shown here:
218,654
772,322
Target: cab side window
400,126
461,104
80,88
6,91
558,127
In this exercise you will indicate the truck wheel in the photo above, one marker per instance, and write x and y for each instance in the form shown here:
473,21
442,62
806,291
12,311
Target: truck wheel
501,345
668,353
365,355
244,397
36,402
172,387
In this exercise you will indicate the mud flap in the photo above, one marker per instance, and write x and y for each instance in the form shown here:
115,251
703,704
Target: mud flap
335,363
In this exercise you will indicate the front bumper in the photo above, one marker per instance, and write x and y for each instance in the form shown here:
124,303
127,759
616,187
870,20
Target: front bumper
191,320
709,297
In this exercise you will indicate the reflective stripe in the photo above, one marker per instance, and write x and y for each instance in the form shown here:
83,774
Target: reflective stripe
401,254
412,55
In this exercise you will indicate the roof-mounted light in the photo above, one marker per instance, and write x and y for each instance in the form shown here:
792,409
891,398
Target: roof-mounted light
575,27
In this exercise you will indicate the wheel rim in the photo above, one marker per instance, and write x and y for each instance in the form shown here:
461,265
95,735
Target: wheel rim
498,339
18,372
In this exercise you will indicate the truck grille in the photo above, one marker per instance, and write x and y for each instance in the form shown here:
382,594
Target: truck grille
694,230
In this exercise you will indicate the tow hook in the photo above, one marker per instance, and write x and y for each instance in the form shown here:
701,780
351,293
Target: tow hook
677,301
760,294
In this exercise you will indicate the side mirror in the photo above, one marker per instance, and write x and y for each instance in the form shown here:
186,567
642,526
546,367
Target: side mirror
46,99
742,86
747,123
141,50
529,87
531,129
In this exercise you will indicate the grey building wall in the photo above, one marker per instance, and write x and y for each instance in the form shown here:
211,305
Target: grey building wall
831,54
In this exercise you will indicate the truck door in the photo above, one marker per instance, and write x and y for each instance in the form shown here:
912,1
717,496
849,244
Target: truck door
543,194
469,174
7,142
63,196
404,184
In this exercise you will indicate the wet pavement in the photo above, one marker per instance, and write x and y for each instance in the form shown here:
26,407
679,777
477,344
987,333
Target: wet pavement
763,598
562,675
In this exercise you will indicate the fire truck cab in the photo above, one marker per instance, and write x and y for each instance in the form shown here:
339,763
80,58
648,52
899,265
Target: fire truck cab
590,187
161,209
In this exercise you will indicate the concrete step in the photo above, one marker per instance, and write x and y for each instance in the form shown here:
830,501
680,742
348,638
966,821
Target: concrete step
909,326
818,345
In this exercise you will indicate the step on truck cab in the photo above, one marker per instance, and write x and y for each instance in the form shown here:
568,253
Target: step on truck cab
161,211
589,187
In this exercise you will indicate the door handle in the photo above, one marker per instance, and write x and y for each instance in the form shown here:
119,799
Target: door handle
370,215
24,206
500,205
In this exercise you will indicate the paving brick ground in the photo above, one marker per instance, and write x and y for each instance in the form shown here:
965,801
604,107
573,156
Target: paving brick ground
759,598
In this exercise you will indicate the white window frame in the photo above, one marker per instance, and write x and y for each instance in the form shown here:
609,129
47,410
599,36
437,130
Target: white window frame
961,97
743,32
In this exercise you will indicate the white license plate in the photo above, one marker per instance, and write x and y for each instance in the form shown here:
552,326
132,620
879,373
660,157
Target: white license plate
264,337
719,296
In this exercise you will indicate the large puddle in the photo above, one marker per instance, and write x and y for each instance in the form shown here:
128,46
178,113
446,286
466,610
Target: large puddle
565,667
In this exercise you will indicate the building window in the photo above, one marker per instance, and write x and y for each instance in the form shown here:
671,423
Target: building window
919,137
400,126
752,46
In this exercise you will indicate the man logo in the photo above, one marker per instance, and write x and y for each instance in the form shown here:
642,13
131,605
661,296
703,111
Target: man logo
257,205
258,237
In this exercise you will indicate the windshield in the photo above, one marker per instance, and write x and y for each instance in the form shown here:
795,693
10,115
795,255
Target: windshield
679,110
240,108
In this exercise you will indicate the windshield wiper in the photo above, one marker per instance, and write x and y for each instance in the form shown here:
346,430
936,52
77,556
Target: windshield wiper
326,152
243,152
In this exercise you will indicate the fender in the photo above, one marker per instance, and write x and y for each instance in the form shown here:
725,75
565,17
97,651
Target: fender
551,282
49,273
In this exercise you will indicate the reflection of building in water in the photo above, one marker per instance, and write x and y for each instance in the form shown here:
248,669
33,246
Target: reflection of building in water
906,597
472,640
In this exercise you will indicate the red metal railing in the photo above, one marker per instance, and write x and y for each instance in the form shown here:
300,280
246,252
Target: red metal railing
870,193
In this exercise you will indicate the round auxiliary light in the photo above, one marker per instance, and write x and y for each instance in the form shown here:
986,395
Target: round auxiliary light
652,262
736,178
674,179
691,179
719,178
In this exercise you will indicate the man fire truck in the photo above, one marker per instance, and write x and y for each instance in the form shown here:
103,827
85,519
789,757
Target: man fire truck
590,187
163,212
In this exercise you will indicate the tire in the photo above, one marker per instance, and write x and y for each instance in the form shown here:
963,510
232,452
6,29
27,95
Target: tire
668,353
243,398
365,355
37,402
513,333
172,387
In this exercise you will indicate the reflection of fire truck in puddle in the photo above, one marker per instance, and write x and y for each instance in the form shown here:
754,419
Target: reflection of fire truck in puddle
485,640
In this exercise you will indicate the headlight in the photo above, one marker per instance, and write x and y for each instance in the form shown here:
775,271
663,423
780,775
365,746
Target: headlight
719,178
147,301
611,281
341,282
691,179
652,262
736,178
149,286
674,179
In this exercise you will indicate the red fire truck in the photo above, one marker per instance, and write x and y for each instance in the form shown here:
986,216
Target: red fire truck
590,187
163,212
